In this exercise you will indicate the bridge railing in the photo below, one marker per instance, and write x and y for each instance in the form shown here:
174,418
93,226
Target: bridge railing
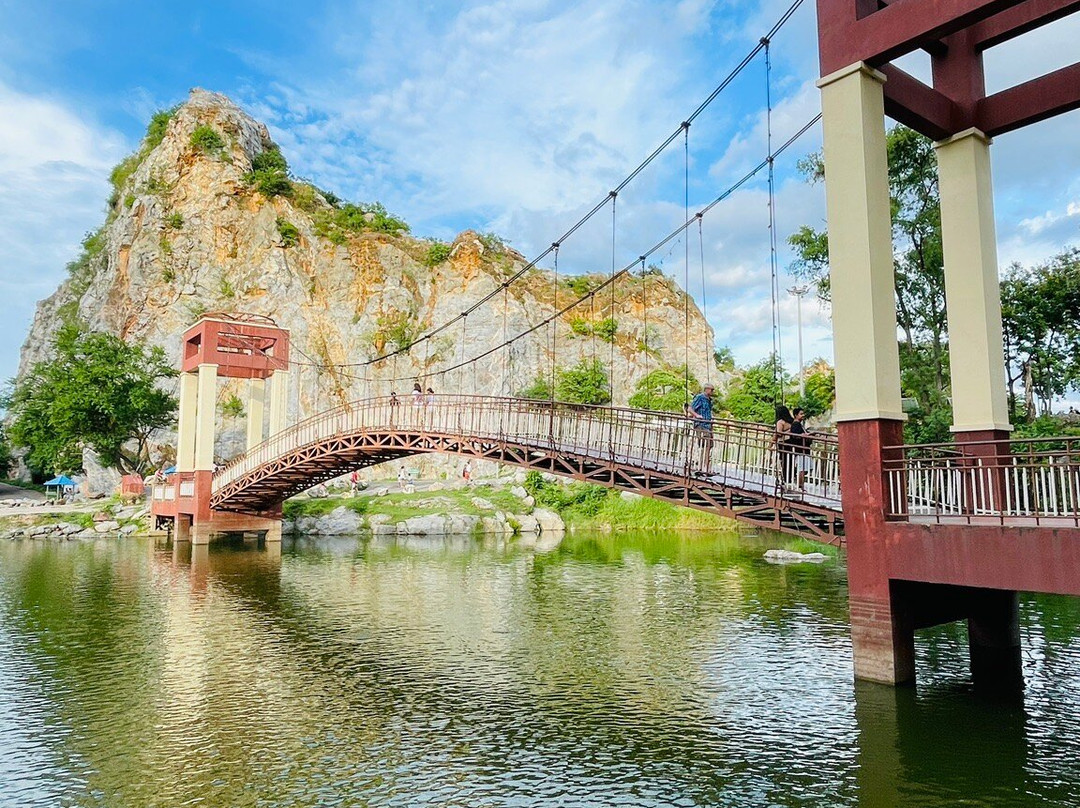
732,453
1011,482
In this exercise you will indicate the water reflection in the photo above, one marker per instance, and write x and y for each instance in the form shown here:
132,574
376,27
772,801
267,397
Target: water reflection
658,669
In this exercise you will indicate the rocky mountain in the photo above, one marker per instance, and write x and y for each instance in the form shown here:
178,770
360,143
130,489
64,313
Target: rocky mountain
204,218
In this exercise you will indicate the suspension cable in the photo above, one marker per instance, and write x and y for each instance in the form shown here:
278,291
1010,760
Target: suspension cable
723,85
612,324
774,279
675,234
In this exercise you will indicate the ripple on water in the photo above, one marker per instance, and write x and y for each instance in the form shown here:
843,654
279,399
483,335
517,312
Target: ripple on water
629,670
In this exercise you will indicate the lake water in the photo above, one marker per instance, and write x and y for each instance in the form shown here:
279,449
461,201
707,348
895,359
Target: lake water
629,670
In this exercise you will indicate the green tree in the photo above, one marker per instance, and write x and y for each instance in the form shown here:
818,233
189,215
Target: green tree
753,394
97,392
819,386
584,383
1040,312
6,458
667,389
724,359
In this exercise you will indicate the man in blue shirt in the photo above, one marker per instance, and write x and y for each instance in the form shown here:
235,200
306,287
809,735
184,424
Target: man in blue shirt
701,413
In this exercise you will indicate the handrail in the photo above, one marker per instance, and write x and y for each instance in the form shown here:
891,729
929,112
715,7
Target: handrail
732,452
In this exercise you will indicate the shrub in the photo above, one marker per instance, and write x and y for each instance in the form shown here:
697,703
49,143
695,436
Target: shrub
290,234
540,388
174,220
225,288
581,327
121,173
580,285
584,383
206,139
165,246
606,328
493,242
168,274
232,407
396,329
335,224
82,269
129,200
269,173
437,252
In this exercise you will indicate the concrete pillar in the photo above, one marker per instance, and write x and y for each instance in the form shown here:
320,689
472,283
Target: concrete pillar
205,422
868,407
972,293
186,422
279,401
255,408
994,641
862,280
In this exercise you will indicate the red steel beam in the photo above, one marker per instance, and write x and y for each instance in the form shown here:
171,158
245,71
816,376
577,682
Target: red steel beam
900,27
1019,20
1030,102
919,107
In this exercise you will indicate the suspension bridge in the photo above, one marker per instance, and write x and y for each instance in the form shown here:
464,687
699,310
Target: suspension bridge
933,533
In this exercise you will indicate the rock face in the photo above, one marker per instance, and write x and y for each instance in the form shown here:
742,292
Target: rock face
188,234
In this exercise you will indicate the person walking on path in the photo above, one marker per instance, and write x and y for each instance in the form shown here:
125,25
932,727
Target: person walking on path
702,415
466,472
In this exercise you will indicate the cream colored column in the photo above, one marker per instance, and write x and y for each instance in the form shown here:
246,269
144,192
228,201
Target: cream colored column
255,408
861,273
972,293
204,433
187,423
279,401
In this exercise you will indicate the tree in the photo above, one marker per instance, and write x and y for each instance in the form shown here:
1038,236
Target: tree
755,391
97,392
918,264
1040,312
667,389
819,386
584,383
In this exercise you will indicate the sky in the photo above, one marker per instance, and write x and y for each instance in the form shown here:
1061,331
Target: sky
512,116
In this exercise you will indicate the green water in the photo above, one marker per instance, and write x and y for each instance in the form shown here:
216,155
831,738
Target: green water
631,670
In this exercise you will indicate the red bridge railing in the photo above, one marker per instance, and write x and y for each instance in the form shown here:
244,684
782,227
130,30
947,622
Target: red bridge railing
1031,481
732,453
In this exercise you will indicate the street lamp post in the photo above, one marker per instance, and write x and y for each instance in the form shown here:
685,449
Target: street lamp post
799,291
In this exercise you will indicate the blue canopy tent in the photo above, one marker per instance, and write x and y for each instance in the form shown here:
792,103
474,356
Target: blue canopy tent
63,485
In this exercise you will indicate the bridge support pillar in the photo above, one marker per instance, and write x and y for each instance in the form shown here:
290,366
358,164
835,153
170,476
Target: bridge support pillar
255,411
972,292
994,641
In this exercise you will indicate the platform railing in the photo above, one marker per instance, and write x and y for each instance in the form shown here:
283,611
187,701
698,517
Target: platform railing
1028,481
732,453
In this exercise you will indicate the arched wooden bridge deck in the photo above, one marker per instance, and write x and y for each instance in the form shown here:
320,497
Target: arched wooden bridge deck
655,454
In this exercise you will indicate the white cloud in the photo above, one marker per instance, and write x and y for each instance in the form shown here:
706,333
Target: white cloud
53,183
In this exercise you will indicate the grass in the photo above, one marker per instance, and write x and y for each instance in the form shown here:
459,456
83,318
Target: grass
399,507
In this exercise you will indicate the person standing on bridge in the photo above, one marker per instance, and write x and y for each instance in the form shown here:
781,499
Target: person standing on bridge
784,420
799,440
417,394
702,415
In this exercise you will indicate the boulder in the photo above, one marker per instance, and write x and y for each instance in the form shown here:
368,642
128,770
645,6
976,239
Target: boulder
110,526
529,524
549,521
629,496
70,529
792,557
128,529
519,491
482,504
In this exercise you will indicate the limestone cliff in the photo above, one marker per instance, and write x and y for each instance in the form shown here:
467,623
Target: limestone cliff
189,232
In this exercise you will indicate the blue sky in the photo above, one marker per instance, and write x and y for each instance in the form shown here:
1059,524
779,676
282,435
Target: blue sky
505,115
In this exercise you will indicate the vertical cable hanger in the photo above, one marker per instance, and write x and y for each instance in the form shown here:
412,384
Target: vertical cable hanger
507,369
461,361
704,302
686,263
611,361
554,319
645,317
778,354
